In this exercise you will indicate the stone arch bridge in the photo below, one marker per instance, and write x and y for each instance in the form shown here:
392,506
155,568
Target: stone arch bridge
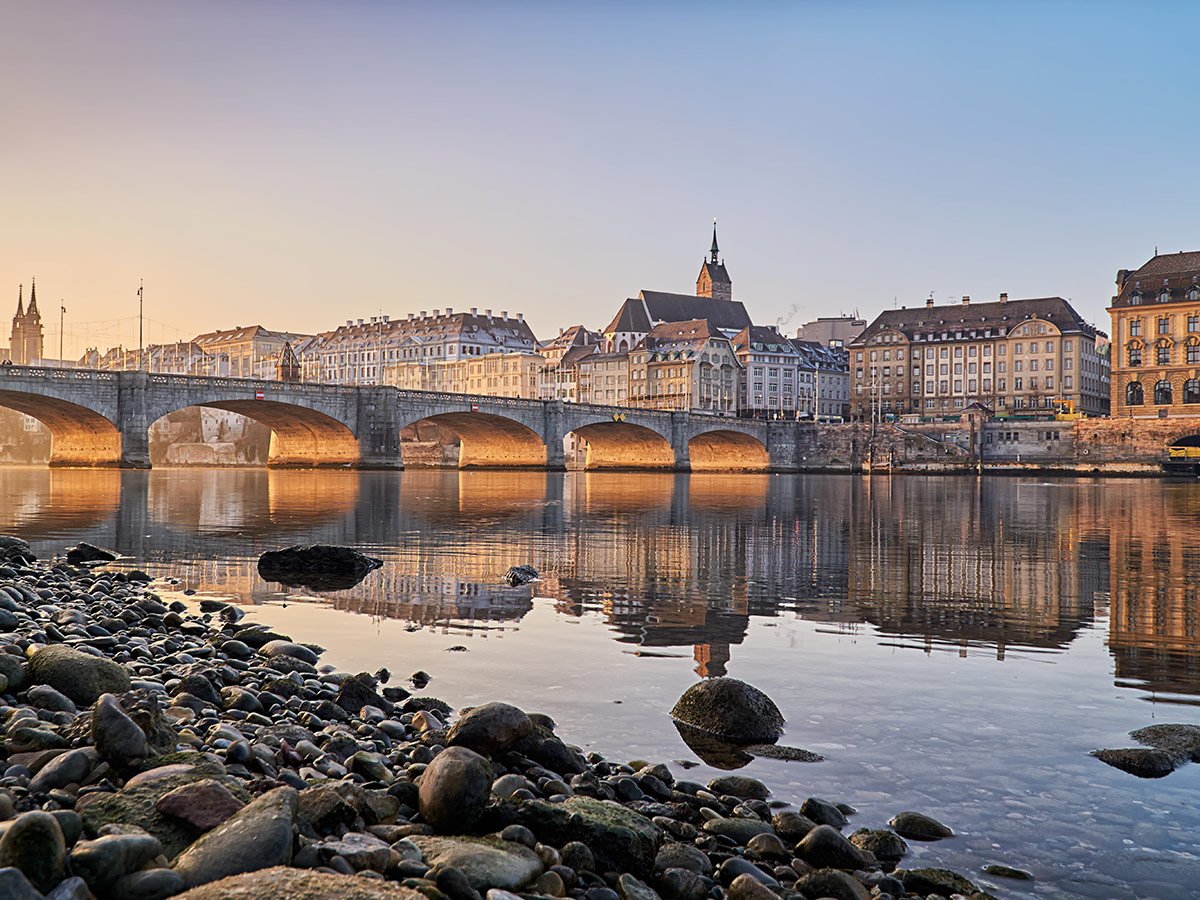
99,418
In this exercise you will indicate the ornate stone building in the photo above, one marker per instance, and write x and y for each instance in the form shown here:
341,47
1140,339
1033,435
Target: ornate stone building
1156,337
26,341
1015,357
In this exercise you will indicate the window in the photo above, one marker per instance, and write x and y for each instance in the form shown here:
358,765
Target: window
1162,353
1067,346
1033,347
1135,299
1135,327
1164,296
1135,356
1191,390
1164,325
945,370
1162,393
1017,384
1002,367
1068,382
1193,352
1019,365
1134,395
1033,365
1049,383
1020,348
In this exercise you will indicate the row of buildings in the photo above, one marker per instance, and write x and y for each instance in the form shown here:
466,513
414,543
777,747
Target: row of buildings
660,350
703,352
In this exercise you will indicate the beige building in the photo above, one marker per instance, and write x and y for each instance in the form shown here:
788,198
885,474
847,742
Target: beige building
684,365
251,352
1015,357
1156,338
559,378
604,378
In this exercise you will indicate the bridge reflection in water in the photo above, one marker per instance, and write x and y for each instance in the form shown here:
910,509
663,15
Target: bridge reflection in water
682,561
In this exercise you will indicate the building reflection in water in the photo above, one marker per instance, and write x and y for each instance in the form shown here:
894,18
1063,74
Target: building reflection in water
1154,572
681,563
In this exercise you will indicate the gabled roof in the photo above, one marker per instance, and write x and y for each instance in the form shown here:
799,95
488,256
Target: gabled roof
977,317
1177,273
650,308
764,339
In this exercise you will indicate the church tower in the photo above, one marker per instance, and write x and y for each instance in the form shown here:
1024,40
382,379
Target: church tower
714,278
26,342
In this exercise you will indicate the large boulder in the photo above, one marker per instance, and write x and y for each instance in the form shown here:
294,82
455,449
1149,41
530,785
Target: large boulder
487,862
935,881
117,737
620,839
83,553
731,710
321,567
490,728
78,675
1178,740
518,575
454,789
258,836
1140,761
14,550
34,844
281,883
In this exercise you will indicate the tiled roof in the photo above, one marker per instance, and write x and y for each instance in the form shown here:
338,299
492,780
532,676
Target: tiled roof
652,307
762,338
1177,273
954,318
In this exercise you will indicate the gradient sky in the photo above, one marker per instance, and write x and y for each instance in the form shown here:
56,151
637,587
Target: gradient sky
296,164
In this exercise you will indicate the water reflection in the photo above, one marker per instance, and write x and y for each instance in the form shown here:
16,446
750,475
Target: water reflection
940,564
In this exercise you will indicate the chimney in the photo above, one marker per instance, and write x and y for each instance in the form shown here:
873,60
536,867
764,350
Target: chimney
360,321
1004,298
504,315
449,311
373,320
436,313
929,303
520,317
474,310
487,313
387,319
966,300
423,316
349,322
410,317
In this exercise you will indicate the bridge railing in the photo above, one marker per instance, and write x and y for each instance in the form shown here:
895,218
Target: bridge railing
53,373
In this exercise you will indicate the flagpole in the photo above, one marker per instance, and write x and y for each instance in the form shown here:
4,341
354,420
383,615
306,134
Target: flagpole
139,323
62,312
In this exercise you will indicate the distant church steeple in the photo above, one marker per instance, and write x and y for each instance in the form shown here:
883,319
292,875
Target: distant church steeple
26,342
714,278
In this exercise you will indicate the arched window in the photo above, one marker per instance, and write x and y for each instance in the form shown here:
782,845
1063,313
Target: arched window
1135,355
1133,394
1135,298
1191,390
1164,296
1193,293
1162,393
1162,353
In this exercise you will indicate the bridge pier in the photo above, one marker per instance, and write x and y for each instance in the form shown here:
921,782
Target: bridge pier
553,435
782,446
681,436
132,420
379,429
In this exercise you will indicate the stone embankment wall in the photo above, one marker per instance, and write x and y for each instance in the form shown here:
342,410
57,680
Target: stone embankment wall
1136,446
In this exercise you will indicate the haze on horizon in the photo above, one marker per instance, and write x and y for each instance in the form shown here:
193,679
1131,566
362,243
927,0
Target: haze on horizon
297,164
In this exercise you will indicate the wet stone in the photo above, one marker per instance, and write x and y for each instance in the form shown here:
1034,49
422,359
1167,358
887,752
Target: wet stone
34,844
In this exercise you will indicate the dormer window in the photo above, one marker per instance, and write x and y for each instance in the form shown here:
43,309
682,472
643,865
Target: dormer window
1135,298
1164,296
1193,293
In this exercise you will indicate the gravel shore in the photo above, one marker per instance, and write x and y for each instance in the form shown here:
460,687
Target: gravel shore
156,749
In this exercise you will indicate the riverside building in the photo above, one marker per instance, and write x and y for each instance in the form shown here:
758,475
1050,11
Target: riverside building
1156,337
1014,357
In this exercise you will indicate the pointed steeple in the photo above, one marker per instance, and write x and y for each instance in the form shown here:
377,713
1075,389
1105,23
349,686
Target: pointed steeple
20,302
33,310
714,246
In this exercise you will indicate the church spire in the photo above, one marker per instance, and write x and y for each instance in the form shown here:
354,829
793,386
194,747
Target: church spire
33,310
20,302
714,246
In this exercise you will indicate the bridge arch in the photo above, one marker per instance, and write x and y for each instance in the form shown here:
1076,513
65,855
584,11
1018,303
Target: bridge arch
79,435
301,437
489,440
725,450
624,445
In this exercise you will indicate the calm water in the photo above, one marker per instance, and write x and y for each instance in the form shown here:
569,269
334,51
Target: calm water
951,645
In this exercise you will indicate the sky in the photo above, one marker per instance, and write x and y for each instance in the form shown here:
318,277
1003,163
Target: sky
297,164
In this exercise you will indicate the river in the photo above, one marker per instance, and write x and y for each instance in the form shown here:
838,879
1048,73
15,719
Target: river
952,645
